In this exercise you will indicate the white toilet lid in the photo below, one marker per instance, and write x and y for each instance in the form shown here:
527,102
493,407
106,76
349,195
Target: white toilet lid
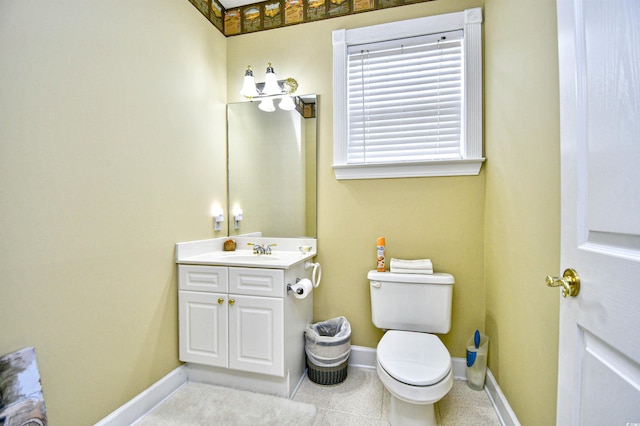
418,359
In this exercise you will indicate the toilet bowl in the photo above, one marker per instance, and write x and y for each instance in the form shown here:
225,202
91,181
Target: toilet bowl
416,369
412,364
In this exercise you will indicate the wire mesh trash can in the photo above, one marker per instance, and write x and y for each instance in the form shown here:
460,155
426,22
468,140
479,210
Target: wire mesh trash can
328,345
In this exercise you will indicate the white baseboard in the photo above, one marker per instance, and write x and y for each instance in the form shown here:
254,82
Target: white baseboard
506,414
361,357
459,368
146,400
225,377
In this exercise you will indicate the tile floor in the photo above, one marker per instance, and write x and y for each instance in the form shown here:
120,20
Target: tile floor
361,400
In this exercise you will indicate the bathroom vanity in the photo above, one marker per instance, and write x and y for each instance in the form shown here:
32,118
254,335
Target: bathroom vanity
239,325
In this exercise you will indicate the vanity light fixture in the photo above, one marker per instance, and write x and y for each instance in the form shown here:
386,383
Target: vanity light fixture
266,105
217,220
272,87
287,103
237,217
218,216
249,89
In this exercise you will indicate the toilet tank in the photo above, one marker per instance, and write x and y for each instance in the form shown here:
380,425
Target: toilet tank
413,302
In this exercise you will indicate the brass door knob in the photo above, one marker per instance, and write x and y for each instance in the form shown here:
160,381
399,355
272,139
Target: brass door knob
570,282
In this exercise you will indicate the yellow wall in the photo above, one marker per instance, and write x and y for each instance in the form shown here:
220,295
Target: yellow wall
439,218
112,137
110,113
522,216
498,233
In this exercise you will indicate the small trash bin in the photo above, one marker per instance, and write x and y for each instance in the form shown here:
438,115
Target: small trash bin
328,345
477,348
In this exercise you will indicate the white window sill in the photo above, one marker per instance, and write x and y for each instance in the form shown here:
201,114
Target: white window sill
469,167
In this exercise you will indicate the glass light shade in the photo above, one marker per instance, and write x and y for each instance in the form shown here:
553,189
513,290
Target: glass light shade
266,105
271,86
249,89
287,103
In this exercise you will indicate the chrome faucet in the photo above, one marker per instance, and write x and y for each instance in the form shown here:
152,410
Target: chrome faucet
261,248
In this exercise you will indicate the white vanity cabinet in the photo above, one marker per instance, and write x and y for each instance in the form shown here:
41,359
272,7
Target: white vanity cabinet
232,317
238,325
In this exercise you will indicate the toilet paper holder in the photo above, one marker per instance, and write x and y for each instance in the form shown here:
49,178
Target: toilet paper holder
290,287
299,290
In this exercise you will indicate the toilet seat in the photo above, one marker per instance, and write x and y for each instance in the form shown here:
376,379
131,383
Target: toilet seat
416,359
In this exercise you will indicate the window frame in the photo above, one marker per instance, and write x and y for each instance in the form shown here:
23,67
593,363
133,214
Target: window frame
470,22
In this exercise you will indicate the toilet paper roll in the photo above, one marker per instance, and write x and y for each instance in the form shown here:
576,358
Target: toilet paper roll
302,288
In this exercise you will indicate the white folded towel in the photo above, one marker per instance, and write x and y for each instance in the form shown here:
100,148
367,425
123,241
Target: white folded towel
417,264
411,271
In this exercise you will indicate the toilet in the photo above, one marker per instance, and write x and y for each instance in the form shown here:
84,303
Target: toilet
412,363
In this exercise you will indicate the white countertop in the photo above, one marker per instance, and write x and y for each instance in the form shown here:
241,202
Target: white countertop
284,254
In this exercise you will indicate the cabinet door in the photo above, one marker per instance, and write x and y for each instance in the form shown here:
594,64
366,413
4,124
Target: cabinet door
256,334
203,328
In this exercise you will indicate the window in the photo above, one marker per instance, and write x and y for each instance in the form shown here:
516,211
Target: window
408,98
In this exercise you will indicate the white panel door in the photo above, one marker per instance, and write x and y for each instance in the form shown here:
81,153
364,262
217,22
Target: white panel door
599,359
256,334
203,328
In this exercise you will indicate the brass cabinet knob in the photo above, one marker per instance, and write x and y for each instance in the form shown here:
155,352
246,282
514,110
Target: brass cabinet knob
220,301
570,282
231,301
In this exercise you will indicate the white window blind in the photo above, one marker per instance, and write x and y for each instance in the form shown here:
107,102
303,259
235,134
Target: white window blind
407,98
404,99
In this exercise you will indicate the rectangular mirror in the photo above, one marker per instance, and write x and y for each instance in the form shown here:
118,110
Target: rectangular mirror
272,169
